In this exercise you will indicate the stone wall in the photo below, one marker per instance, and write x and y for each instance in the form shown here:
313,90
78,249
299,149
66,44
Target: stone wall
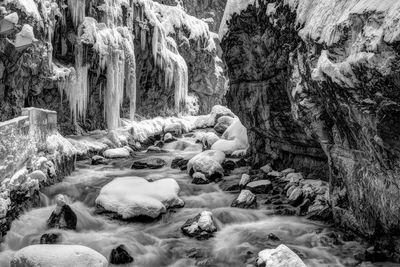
317,85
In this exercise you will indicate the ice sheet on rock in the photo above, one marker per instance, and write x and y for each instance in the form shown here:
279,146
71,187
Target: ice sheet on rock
58,255
134,196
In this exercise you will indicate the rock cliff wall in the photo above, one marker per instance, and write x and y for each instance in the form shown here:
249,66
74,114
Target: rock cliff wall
317,85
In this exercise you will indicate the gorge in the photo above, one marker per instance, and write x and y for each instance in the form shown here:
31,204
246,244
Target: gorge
199,133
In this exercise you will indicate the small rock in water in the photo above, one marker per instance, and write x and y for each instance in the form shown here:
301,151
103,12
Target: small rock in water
273,237
199,178
229,165
63,217
168,138
274,174
119,255
180,163
244,180
259,187
149,163
50,238
201,227
98,160
296,197
266,169
282,256
245,200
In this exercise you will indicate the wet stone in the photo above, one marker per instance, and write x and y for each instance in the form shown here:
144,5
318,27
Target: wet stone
149,163
63,217
259,187
50,238
229,165
179,163
200,227
245,200
296,197
119,255
199,178
98,160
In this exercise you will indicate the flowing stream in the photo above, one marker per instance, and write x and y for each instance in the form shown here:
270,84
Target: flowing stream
241,233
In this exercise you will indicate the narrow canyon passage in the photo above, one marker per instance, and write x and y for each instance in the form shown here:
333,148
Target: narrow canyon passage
241,234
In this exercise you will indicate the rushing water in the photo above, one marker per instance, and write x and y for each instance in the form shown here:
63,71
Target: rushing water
242,233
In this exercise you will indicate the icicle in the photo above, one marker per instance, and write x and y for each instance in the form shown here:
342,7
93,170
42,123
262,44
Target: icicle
143,38
77,10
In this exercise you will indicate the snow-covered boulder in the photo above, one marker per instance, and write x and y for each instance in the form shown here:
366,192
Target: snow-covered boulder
131,197
116,153
208,162
63,216
223,123
58,255
201,227
233,139
282,256
218,111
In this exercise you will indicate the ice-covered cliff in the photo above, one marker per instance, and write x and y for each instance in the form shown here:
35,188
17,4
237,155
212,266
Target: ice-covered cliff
317,85
95,61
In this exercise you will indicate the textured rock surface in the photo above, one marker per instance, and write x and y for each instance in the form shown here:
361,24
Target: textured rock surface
316,84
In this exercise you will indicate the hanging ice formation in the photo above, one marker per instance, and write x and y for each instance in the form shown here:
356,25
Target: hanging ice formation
114,46
75,87
164,48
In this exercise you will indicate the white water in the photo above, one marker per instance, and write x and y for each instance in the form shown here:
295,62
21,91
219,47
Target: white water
242,233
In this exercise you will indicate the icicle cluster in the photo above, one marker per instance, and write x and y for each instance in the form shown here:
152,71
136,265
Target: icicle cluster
115,47
77,9
75,87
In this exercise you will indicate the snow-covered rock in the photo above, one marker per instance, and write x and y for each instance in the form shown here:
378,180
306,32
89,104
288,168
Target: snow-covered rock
233,139
208,162
223,123
199,178
116,153
206,138
134,196
282,256
58,255
201,227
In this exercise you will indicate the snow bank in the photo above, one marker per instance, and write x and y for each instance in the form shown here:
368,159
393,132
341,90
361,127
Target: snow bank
58,255
134,196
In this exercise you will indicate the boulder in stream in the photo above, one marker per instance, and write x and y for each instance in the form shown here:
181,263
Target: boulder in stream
131,197
119,255
168,138
201,227
244,180
282,256
208,162
58,255
63,217
245,200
